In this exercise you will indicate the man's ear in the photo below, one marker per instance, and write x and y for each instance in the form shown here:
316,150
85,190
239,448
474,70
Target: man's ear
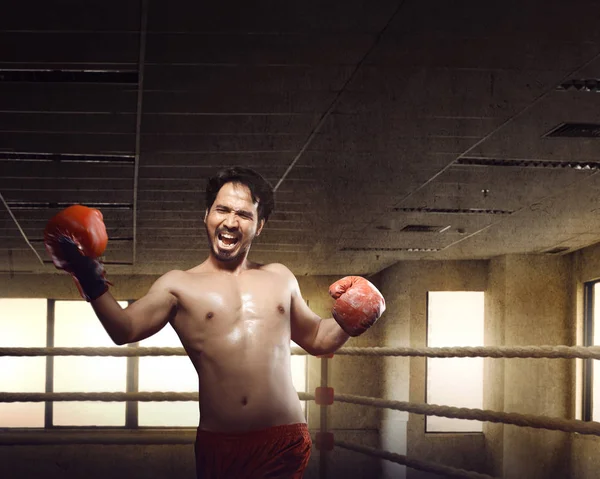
260,227
205,215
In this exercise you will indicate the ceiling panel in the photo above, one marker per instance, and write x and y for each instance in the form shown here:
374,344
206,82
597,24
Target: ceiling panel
71,123
234,124
57,97
71,15
64,170
235,101
362,109
258,48
213,161
231,142
71,195
46,142
270,16
72,47
245,78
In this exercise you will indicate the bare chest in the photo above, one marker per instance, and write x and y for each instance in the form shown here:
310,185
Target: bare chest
233,309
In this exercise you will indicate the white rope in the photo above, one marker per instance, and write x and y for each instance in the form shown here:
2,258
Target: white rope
427,466
523,420
549,352
150,396
111,351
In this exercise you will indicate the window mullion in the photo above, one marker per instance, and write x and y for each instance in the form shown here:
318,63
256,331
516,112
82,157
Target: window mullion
48,413
131,407
588,339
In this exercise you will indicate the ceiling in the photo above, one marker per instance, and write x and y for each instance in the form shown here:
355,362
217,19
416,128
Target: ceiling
369,116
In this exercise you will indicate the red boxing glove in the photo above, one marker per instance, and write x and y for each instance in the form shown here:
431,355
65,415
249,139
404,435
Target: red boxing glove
85,226
75,237
358,304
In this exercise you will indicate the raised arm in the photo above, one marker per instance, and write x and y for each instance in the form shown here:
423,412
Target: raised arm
141,319
312,333
358,304
75,238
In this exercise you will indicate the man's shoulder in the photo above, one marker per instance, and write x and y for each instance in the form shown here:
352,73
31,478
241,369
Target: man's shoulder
177,279
171,277
174,273
276,268
281,270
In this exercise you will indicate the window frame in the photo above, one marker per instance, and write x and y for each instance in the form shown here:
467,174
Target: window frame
427,317
132,386
587,384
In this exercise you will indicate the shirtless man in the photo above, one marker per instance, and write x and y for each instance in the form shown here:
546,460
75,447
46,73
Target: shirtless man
235,319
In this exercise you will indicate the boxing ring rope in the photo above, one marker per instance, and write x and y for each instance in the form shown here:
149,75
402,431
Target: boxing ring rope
425,466
324,395
148,396
536,352
514,419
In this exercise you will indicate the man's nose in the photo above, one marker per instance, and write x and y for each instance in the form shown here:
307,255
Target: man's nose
231,221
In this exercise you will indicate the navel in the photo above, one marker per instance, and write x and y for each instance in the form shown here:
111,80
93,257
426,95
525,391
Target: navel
281,309
244,401
209,315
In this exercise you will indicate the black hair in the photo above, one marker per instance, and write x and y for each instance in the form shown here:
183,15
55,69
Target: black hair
260,189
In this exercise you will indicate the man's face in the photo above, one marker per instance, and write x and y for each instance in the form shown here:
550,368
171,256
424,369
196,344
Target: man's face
232,222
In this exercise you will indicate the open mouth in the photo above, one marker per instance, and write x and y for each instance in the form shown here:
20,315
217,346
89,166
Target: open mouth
227,240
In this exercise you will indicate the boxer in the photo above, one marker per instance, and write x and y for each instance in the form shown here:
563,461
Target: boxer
235,319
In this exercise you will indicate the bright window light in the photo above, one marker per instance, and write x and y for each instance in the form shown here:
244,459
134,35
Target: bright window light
298,365
455,318
167,373
76,325
595,362
22,324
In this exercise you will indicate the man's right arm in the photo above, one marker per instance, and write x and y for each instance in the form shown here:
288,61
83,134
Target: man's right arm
75,238
141,319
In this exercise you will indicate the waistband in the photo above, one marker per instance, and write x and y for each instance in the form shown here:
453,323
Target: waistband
281,430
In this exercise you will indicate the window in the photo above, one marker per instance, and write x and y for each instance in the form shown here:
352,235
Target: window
46,323
22,324
454,319
76,325
299,365
168,373
590,397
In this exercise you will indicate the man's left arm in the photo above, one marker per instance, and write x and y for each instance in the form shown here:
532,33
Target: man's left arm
358,304
312,333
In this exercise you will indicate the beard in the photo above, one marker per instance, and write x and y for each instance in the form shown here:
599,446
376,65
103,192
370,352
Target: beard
223,255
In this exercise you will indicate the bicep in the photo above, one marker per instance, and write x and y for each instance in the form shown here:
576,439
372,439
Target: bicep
304,322
152,312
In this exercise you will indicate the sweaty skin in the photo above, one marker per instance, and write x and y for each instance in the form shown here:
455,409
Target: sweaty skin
236,331
235,319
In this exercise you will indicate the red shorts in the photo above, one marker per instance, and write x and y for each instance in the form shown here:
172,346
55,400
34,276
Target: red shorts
279,452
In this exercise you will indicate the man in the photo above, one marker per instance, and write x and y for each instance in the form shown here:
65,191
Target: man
235,319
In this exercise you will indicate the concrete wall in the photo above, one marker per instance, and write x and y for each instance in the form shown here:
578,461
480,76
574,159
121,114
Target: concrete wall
405,286
493,374
530,300
530,303
146,456
347,375
585,460
394,327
